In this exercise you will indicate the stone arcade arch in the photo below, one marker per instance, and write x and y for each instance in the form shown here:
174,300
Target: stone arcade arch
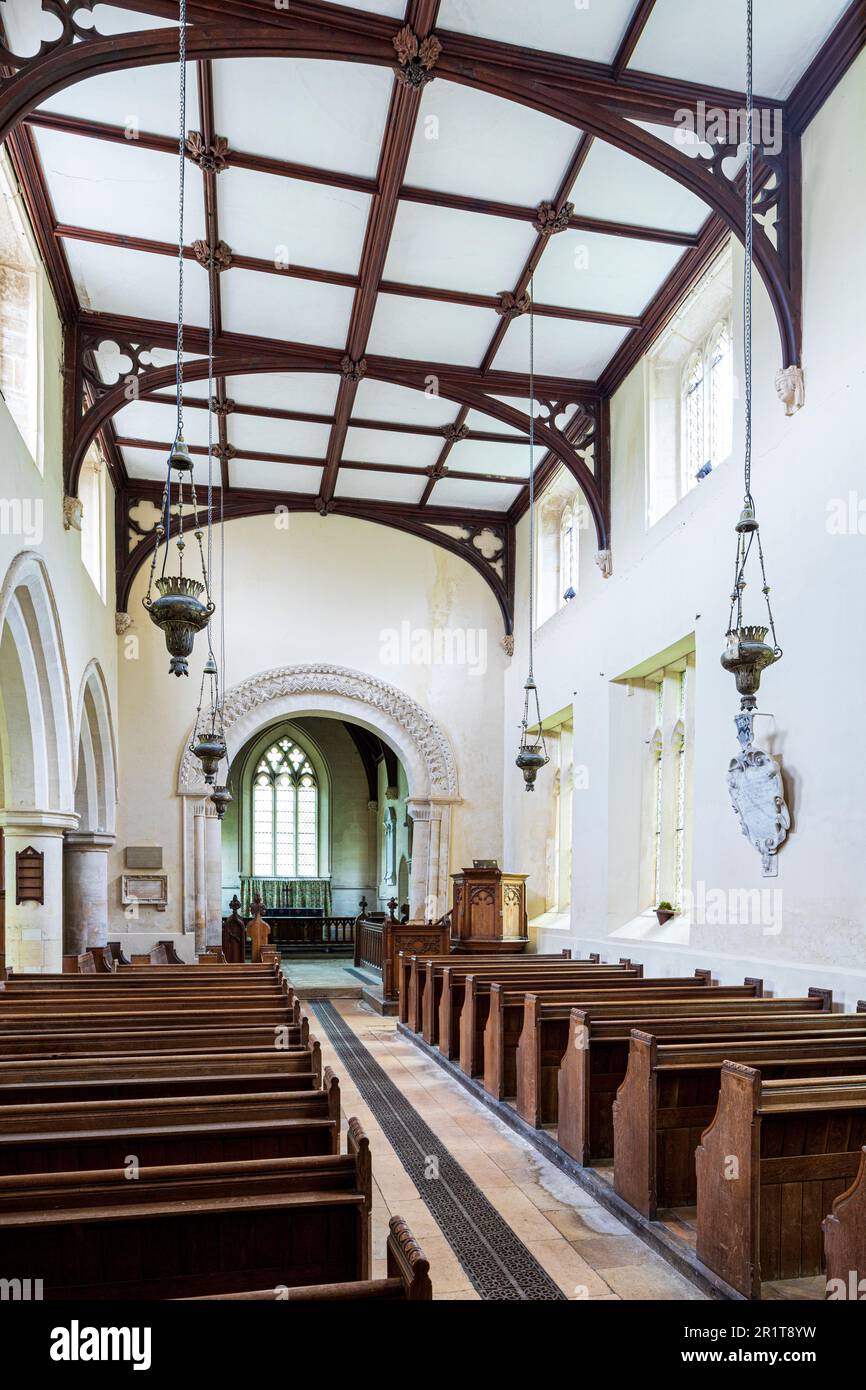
85,902
36,764
337,692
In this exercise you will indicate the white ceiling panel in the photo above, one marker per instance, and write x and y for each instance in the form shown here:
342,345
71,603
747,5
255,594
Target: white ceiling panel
113,280
480,456
488,497
617,186
562,348
138,99
428,331
453,250
330,115
274,306
288,221
197,389
315,392
379,400
703,41
267,436
580,30
151,464
134,194
582,270
381,446
478,420
469,142
148,420
383,487
274,477
393,9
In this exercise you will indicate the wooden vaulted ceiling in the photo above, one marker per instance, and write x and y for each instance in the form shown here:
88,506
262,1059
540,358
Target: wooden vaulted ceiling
367,219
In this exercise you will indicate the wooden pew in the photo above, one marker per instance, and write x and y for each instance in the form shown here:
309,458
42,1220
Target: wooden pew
407,1281
568,1074
435,975
61,1021
440,1022
142,1075
769,1168
412,976
669,1097
845,1240
86,1135
497,1015
212,1038
172,1002
189,1230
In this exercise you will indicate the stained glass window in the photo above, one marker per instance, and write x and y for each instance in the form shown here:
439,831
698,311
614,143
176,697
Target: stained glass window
285,814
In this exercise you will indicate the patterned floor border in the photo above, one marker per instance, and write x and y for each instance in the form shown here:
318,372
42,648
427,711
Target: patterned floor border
495,1260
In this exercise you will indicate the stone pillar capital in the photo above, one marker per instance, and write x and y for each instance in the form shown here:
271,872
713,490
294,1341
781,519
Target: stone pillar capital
87,840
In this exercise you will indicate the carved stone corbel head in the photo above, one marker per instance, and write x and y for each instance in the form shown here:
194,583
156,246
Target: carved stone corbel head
791,389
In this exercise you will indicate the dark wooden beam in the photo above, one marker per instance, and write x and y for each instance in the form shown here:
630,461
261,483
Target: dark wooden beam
827,68
630,39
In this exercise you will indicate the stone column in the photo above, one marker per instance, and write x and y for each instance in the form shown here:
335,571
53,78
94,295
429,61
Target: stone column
200,872
429,889
34,931
213,835
85,903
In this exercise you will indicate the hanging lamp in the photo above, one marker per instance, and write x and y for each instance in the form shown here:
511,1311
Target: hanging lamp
183,604
747,654
754,776
532,754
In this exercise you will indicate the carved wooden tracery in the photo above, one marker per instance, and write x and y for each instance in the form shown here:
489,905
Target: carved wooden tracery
604,102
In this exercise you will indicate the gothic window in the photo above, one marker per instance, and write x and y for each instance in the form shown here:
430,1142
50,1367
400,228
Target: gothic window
19,315
285,814
568,554
707,403
669,790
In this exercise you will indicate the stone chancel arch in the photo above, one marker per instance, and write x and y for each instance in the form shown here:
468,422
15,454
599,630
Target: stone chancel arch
419,740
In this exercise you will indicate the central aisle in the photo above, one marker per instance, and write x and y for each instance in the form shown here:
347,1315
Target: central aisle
523,1229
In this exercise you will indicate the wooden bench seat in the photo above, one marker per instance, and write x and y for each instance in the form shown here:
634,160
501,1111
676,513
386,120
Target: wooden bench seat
445,992
555,1052
407,1280
194,1038
493,1018
32,1081
87,1135
188,1230
769,1167
412,975
669,1097
16,1021
40,1007
845,1240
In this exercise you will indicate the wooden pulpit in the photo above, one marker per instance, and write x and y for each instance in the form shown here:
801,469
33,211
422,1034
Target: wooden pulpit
489,912
258,930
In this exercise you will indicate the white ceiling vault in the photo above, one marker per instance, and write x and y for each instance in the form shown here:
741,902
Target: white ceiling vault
299,195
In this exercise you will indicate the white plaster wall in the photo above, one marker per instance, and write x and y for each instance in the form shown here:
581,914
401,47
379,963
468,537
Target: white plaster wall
324,591
675,579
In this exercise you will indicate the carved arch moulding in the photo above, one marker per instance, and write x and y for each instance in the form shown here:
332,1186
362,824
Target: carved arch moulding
585,95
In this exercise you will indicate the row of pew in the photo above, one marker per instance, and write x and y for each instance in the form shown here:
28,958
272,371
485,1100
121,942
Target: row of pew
169,1132
688,1094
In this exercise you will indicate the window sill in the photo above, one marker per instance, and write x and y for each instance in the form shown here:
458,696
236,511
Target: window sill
646,927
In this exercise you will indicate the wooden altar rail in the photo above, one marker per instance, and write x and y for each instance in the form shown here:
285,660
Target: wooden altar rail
312,931
369,942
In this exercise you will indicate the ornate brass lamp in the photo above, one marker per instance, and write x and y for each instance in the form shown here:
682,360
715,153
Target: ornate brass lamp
532,754
755,783
221,798
208,741
183,605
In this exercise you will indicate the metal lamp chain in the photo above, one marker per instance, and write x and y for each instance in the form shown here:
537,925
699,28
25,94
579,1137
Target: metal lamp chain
181,190
747,278
531,473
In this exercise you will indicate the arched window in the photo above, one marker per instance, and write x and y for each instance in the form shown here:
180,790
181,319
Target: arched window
285,814
568,537
708,403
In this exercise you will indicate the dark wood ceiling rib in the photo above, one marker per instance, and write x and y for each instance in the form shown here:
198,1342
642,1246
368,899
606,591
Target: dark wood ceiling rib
204,75
631,38
333,277
574,167
73,125
393,160
313,461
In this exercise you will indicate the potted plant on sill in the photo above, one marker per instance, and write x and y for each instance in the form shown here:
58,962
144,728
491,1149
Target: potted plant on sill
665,911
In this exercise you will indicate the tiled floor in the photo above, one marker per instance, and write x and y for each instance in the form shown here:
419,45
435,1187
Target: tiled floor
331,977
585,1250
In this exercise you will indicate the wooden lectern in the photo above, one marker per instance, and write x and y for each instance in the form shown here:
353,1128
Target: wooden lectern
258,930
489,912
